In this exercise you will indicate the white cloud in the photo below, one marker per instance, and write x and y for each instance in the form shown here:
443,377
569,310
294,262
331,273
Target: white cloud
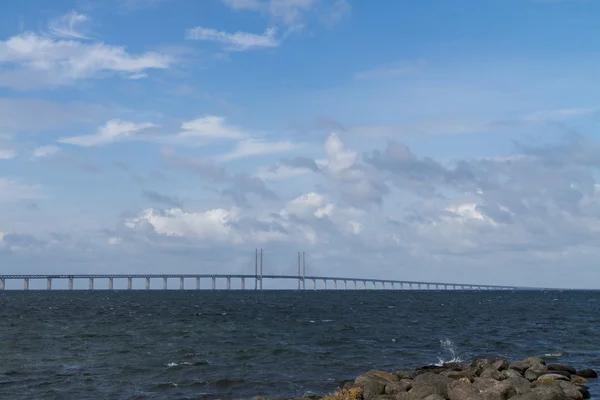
256,147
13,190
114,240
237,41
206,129
45,151
293,12
30,60
113,131
67,25
7,154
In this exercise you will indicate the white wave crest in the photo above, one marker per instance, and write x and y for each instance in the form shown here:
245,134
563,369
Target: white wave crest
448,345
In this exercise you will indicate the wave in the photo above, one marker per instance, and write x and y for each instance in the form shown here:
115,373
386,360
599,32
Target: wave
448,345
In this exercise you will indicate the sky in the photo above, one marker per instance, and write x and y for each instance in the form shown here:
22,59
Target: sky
452,141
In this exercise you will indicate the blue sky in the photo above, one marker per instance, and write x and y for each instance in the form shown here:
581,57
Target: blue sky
439,140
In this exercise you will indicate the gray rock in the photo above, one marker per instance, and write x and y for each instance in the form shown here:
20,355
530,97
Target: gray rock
372,384
434,397
384,397
430,383
462,389
405,374
480,362
526,363
520,384
406,396
510,373
489,371
404,385
571,390
552,377
501,365
504,389
587,373
545,392
560,367
534,372
467,373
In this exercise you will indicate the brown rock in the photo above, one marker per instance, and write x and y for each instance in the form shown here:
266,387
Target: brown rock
406,396
535,372
501,365
510,373
545,392
571,390
480,362
578,379
404,385
560,367
405,374
489,371
504,389
552,377
430,383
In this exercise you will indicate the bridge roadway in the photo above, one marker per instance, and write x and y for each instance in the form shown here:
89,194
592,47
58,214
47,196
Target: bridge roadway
257,279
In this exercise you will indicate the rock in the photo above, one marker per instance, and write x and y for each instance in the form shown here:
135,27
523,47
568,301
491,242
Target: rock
404,385
467,373
552,377
526,363
462,389
545,392
586,373
489,371
434,397
535,372
501,365
504,389
406,396
374,382
520,384
578,379
480,362
384,397
560,367
584,391
571,390
510,373
405,374
430,383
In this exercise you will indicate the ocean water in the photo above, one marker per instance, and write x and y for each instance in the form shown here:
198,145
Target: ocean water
236,345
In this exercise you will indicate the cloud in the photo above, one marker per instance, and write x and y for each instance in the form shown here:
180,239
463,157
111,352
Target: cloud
113,131
238,41
206,129
31,61
7,151
293,12
14,190
391,70
66,26
255,147
45,151
162,199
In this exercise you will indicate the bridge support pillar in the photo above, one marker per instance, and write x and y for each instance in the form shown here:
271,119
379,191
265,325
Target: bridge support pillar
445,287
401,285
325,284
110,283
129,283
181,283
165,284
244,283
393,288
364,285
228,283
345,285
147,283
2,284
374,287
197,283
314,284
26,283
335,284
354,285
383,285
214,283
70,283
49,284
91,284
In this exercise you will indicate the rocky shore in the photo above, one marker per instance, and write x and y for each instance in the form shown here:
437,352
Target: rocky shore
483,379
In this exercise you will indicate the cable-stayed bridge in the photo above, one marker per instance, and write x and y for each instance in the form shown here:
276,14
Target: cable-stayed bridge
255,281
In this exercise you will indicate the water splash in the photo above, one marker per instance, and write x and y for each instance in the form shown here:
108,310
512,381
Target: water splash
448,345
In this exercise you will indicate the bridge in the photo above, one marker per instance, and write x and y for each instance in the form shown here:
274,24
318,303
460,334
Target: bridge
257,279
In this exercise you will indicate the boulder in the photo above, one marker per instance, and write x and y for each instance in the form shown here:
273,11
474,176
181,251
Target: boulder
535,372
560,367
430,383
406,396
405,374
466,373
504,389
384,397
462,389
434,397
578,379
586,373
545,392
401,386
571,390
501,365
520,384
374,382
526,363
480,362
489,371
510,373
552,377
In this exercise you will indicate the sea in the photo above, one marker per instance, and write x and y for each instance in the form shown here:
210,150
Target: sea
240,344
